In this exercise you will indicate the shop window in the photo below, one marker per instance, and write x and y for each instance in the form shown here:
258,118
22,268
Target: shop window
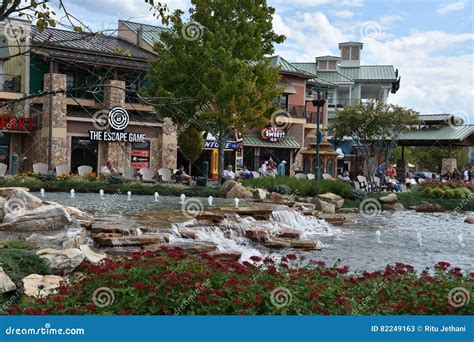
330,166
281,101
84,152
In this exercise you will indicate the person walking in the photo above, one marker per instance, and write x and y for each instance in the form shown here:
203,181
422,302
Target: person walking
281,170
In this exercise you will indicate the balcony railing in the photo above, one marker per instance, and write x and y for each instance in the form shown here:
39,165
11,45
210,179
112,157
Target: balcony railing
341,103
10,83
298,112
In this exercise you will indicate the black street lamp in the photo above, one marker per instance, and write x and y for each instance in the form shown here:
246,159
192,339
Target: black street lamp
318,104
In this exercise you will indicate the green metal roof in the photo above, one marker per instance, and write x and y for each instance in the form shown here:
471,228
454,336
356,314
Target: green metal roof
288,68
308,67
452,133
323,83
334,76
435,117
286,142
370,72
150,33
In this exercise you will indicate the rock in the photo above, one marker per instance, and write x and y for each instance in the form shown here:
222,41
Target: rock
325,207
121,251
300,244
333,219
469,219
62,261
186,247
426,207
288,233
2,205
238,191
347,211
114,239
6,284
228,185
225,255
389,199
275,197
22,198
187,234
256,212
256,234
210,216
39,286
337,200
43,218
276,244
259,194
5,192
303,206
82,217
393,206
70,238
93,256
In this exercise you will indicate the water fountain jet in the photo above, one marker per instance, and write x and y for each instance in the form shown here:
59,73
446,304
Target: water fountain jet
101,194
157,197
129,195
42,192
182,198
419,238
73,193
236,200
209,200
377,236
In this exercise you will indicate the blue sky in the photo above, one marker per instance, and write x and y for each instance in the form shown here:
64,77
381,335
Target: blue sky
429,41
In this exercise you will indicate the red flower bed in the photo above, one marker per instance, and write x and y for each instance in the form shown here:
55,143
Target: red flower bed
168,282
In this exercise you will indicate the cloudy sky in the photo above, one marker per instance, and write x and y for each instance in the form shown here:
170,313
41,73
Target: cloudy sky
429,41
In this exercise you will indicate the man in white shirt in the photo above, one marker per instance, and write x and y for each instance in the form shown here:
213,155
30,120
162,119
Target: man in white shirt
228,174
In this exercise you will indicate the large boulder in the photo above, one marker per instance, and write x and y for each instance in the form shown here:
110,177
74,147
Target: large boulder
6,191
325,207
2,205
228,185
80,216
39,286
389,199
396,206
42,218
281,199
72,237
6,284
238,191
337,200
62,261
426,207
469,219
21,200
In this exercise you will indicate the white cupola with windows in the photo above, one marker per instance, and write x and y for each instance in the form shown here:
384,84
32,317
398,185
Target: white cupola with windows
327,63
350,54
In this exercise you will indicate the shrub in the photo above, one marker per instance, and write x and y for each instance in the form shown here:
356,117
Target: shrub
281,189
18,244
359,194
171,282
114,178
437,193
19,263
427,191
90,177
449,193
46,177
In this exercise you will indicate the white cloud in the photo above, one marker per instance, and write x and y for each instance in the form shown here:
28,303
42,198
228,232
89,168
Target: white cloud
344,14
451,7
350,3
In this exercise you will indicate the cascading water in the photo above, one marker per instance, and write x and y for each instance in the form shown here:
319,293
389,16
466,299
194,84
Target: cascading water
309,225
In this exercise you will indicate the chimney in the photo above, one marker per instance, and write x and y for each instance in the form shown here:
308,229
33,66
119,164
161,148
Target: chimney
139,35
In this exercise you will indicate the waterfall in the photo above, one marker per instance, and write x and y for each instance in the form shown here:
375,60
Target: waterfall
309,225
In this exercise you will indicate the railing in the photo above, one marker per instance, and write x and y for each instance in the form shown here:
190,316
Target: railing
341,103
10,83
298,112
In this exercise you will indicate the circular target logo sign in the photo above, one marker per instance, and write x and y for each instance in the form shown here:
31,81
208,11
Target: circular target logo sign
118,118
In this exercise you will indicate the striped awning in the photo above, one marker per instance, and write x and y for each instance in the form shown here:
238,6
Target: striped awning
286,142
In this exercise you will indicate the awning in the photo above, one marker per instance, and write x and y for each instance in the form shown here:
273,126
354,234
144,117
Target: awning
288,88
286,142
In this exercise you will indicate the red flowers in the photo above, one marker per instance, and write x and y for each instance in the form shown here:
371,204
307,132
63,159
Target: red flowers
255,258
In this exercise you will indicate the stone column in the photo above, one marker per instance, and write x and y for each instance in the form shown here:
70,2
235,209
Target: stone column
169,145
60,150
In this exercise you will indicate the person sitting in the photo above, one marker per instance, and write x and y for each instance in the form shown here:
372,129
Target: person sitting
345,177
245,173
395,184
228,174
281,170
391,171
183,176
108,168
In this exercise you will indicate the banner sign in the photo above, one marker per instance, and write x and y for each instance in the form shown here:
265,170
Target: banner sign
272,134
230,145
15,123
141,155
118,120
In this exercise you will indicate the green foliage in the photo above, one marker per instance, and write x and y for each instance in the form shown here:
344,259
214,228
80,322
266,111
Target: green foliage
115,178
170,282
413,198
19,263
190,143
430,158
18,244
301,187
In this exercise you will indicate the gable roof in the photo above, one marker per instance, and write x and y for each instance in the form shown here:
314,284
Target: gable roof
149,33
328,76
288,68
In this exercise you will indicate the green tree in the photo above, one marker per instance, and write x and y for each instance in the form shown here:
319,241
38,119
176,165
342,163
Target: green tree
214,67
375,128
429,158
190,144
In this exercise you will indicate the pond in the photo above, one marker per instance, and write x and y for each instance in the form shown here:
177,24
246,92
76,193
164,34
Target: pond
362,243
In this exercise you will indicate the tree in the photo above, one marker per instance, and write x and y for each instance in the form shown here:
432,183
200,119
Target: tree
375,128
215,65
190,144
430,158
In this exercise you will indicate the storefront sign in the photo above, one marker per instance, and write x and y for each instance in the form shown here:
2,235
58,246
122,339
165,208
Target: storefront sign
116,136
272,134
229,145
141,155
118,120
15,123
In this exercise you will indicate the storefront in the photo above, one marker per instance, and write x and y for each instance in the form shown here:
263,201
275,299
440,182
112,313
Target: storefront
271,143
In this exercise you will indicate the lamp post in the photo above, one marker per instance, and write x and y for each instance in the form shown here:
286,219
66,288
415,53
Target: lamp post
318,104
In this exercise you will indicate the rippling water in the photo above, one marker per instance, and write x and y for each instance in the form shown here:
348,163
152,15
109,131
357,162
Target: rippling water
414,238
